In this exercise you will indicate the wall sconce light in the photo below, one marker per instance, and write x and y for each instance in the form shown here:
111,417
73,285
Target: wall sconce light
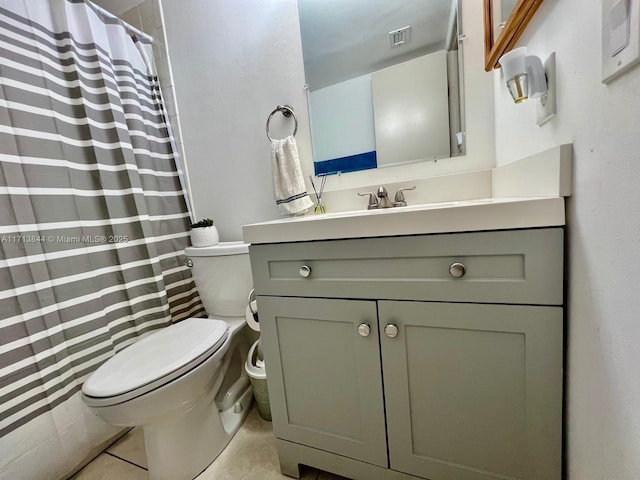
527,77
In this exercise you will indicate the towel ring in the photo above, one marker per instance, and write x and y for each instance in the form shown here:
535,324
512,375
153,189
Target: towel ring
287,111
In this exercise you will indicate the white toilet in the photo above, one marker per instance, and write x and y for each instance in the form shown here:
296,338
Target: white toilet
186,384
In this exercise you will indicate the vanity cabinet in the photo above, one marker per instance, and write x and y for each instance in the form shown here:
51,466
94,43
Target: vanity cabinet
428,356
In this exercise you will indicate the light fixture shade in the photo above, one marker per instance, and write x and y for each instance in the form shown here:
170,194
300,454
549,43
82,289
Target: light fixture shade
515,73
524,74
512,63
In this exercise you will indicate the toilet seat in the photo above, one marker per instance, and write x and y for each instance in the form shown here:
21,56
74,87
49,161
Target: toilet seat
155,361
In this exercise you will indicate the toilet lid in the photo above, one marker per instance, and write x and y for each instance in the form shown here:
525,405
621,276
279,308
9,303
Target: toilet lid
158,358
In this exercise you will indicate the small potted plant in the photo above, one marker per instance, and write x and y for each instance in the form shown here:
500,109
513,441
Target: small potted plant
204,233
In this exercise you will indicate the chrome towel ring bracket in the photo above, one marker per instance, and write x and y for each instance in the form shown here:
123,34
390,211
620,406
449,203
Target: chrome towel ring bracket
287,111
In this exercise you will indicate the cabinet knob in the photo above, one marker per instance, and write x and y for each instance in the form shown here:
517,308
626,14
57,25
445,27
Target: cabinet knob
364,330
391,330
457,270
305,271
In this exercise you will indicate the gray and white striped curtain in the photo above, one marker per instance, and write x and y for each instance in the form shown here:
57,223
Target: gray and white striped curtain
93,217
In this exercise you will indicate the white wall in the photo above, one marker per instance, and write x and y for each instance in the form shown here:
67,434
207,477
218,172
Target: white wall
342,119
411,110
602,121
233,63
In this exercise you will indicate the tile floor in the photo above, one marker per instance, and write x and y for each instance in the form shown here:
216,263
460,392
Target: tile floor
251,455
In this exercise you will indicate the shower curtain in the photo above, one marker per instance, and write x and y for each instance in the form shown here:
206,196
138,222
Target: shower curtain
93,222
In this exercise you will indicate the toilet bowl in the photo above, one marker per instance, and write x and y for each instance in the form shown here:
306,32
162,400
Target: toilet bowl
185,384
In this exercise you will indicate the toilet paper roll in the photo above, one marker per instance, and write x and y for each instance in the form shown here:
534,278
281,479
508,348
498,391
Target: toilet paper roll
251,321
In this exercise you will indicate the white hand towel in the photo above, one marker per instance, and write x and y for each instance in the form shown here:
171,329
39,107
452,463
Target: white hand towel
288,183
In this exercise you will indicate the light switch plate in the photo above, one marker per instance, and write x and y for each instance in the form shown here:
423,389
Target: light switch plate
546,106
613,26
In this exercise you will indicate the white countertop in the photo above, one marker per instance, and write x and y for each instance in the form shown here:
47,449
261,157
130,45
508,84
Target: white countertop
462,216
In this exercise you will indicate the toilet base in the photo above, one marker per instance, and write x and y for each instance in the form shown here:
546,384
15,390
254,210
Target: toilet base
183,447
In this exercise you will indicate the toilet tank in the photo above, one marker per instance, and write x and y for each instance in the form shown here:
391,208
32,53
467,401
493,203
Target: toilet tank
222,274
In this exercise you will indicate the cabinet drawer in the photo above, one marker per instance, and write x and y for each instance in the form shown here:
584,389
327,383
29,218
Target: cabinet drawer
516,266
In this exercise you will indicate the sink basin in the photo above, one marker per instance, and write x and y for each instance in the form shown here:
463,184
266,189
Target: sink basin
456,216
375,211
384,211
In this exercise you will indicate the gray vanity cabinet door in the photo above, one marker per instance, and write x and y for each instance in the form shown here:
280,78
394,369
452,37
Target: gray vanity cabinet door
324,376
473,391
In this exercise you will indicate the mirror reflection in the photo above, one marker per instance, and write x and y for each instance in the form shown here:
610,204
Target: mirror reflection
501,10
383,82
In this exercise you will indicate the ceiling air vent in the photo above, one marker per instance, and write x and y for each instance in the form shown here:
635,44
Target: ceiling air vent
400,37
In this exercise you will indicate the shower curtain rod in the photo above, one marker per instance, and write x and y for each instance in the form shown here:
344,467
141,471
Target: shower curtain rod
110,18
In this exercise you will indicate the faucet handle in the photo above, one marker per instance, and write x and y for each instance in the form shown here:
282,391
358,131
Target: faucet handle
399,200
373,201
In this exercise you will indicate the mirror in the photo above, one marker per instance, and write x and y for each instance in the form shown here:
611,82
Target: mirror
501,9
497,40
383,82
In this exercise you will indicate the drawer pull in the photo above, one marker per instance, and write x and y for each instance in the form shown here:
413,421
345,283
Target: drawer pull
457,270
364,330
305,271
391,330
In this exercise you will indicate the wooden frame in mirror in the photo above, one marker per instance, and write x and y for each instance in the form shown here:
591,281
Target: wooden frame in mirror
497,45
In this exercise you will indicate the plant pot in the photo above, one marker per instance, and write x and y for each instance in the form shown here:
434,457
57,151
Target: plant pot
204,236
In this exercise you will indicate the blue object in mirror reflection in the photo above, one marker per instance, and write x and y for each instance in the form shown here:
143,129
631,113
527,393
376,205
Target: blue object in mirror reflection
351,163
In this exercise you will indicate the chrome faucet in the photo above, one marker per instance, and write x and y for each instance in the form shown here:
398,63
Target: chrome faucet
382,200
